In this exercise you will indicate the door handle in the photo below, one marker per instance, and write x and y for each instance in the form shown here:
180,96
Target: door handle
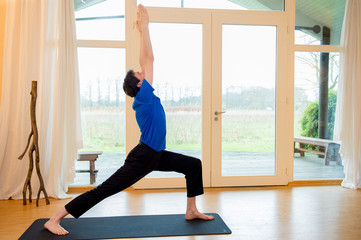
218,113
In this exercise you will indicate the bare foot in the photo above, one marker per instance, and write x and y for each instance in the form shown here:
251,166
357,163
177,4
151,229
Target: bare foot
190,215
54,227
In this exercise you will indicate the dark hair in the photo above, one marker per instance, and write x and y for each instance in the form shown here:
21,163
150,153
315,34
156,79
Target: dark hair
130,84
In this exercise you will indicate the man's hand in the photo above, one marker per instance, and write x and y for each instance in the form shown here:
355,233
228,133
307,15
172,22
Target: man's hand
142,18
146,57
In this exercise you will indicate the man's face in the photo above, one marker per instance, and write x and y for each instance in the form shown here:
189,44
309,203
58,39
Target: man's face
140,76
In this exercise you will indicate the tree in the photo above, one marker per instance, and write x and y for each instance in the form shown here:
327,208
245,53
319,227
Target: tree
309,120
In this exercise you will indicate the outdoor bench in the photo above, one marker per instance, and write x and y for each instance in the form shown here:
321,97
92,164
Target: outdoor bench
91,157
330,153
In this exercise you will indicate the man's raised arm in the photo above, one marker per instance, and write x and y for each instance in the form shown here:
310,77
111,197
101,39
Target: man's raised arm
146,57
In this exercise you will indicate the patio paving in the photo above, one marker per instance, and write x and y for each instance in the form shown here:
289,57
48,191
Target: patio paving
309,167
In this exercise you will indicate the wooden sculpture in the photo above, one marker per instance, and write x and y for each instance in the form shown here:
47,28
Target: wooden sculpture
33,147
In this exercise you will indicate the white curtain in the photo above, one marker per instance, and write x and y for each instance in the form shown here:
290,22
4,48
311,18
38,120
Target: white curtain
39,45
348,109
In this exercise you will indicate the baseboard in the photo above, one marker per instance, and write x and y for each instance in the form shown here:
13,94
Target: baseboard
335,182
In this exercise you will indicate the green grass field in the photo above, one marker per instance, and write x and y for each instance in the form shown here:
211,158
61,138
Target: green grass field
243,130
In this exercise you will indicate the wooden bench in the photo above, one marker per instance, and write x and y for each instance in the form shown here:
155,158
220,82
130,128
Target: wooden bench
91,157
330,153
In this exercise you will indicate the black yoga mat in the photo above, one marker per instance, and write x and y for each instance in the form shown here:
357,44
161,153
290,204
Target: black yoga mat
129,227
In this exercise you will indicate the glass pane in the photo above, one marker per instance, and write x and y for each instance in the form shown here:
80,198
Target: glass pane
275,5
308,164
100,21
319,22
248,100
102,109
178,83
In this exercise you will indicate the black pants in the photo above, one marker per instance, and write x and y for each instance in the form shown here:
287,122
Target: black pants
139,162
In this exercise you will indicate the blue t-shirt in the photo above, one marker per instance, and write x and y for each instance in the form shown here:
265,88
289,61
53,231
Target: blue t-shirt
150,117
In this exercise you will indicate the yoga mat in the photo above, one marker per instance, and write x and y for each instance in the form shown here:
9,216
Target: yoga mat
129,227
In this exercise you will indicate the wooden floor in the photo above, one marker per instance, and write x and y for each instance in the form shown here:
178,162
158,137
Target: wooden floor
279,213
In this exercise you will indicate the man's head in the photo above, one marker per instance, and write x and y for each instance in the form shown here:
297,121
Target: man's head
132,83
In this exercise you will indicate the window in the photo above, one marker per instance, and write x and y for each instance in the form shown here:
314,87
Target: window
306,115
101,73
102,102
317,23
100,21
102,98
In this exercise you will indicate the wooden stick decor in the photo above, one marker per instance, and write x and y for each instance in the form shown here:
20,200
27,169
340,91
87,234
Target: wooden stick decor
33,147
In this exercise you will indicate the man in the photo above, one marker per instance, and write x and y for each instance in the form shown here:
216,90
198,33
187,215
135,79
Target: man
150,153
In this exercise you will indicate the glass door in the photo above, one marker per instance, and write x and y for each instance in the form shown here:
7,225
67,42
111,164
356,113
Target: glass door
248,105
